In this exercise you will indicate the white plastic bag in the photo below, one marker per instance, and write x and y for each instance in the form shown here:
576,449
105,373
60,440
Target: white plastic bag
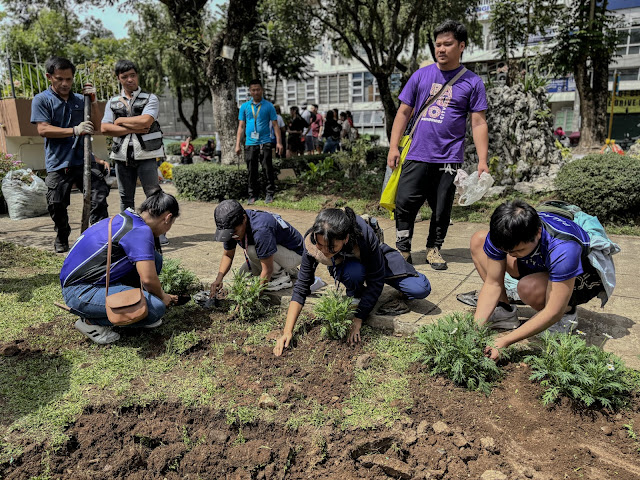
24,200
471,187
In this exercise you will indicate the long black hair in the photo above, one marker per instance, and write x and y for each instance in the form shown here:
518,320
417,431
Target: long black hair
159,202
335,224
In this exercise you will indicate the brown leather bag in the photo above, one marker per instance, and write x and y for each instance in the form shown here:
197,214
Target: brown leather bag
127,307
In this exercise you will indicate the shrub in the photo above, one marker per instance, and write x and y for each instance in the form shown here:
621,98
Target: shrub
210,182
588,375
244,291
454,347
176,279
354,161
336,311
173,148
607,186
317,172
377,157
299,164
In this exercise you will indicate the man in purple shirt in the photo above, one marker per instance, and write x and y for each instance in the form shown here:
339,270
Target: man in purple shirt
437,148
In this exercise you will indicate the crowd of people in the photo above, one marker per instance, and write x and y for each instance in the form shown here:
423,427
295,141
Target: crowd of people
548,253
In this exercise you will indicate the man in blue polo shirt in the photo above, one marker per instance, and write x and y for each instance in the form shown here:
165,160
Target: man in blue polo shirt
272,247
58,114
256,117
549,255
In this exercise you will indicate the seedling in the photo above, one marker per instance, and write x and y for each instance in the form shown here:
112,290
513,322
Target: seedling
176,279
336,311
245,294
454,347
568,367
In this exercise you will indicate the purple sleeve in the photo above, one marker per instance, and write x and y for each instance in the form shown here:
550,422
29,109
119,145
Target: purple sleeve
564,261
492,252
39,110
478,98
138,244
410,91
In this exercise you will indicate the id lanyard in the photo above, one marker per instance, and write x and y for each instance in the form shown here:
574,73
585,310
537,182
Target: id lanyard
255,118
244,250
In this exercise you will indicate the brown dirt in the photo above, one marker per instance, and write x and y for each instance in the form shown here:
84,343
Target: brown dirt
450,433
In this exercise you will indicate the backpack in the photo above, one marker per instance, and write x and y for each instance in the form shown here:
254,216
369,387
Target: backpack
375,226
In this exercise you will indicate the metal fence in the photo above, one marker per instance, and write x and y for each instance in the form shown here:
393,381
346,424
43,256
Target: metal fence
25,79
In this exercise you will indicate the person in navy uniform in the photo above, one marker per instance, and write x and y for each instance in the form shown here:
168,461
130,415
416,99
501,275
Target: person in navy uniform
548,254
350,248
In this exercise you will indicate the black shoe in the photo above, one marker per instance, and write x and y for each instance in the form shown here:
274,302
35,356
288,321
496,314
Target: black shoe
469,298
269,198
163,240
251,201
60,246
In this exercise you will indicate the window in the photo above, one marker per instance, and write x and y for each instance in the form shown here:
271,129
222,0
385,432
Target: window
292,99
364,88
356,87
368,118
564,119
626,74
343,88
242,94
323,90
630,41
310,94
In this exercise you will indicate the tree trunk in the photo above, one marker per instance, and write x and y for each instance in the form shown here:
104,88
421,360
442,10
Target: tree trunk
223,75
390,107
192,125
593,106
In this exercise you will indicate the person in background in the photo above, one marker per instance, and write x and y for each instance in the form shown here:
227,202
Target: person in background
207,151
345,133
297,124
331,133
59,116
350,249
218,147
283,133
134,261
186,152
100,190
309,116
316,129
131,119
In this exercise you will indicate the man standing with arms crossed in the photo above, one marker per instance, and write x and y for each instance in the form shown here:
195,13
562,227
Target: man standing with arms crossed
437,148
58,114
254,118
130,118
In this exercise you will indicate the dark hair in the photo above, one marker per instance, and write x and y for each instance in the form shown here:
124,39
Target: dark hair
513,223
315,106
159,202
124,66
343,115
295,109
255,81
59,63
335,224
458,30
329,115
277,107
348,113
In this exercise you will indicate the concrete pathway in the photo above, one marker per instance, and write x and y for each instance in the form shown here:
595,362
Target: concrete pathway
191,241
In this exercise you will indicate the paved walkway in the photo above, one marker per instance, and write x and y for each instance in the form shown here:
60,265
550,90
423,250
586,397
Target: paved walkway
191,241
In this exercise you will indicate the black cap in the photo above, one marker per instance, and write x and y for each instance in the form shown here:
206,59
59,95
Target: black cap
228,215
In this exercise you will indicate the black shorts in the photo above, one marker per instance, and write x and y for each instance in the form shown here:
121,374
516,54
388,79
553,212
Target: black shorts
587,286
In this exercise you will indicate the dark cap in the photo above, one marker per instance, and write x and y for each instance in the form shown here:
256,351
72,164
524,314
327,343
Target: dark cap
228,215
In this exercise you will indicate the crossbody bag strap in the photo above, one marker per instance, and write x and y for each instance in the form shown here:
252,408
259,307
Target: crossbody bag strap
109,244
432,100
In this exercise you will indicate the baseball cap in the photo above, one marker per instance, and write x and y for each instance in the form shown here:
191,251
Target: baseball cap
228,215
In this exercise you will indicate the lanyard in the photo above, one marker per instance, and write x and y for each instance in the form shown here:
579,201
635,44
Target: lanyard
244,250
255,116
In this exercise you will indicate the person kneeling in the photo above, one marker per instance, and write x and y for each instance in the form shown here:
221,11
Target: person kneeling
272,247
133,261
349,247
548,254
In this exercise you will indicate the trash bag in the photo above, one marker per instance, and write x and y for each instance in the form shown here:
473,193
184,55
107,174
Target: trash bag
25,193
471,187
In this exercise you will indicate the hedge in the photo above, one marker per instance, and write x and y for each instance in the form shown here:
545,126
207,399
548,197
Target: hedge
211,182
607,186
173,148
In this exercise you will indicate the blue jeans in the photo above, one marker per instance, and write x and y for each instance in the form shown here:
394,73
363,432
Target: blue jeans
352,275
331,145
146,170
88,301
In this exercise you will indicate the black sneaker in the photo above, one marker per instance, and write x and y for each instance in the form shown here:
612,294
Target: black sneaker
251,201
163,240
393,307
268,199
469,298
61,246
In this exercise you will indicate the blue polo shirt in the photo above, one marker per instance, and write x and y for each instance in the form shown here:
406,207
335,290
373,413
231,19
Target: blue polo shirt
49,107
266,231
265,113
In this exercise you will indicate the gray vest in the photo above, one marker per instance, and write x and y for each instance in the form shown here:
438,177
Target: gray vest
148,141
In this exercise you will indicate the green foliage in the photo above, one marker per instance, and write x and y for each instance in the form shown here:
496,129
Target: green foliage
180,343
568,367
353,161
244,291
336,311
564,151
173,148
454,347
317,172
607,186
210,182
176,279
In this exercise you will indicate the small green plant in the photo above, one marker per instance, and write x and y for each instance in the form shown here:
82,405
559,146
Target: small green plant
568,367
182,342
317,171
244,291
454,347
353,161
336,311
176,279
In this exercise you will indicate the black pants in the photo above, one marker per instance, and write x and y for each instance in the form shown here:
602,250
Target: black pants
419,181
259,154
59,184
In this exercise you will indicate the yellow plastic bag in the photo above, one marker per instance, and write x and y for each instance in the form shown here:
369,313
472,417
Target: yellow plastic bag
390,189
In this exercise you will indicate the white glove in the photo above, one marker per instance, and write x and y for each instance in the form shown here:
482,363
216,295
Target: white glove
90,90
84,128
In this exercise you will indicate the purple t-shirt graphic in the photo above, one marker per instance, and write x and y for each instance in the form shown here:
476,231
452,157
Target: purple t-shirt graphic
439,137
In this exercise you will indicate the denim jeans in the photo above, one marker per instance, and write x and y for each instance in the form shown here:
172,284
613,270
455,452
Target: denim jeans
88,301
331,145
352,275
146,170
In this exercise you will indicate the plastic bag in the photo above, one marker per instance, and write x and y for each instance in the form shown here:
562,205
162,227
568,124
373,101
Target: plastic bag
24,200
471,187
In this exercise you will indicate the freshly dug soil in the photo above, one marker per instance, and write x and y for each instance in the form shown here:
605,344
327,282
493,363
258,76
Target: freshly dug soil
450,433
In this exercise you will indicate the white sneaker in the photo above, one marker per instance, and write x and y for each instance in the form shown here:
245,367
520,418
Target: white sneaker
279,283
317,285
566,324
97,333
155,324
503,319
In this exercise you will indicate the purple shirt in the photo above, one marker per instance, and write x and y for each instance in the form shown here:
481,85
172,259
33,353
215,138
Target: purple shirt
439,138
